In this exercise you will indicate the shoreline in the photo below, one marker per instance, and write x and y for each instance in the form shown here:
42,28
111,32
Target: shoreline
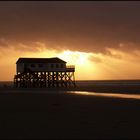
135,89
104,86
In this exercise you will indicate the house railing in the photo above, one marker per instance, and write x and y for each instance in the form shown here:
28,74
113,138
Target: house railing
70,68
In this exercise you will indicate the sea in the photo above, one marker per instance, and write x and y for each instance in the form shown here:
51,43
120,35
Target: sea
90,83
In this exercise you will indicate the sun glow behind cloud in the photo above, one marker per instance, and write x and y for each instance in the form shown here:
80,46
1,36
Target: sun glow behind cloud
80,36
81,60
83,65
89,66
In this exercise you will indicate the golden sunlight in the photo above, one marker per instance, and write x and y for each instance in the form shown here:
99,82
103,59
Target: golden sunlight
89,66
76,57
84,67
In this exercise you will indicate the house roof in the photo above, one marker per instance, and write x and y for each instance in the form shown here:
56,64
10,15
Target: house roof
40,60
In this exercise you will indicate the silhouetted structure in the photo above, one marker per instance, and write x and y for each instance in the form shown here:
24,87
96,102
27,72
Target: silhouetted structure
43,72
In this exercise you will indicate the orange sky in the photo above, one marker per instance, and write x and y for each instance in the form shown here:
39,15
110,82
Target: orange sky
89,66
100,38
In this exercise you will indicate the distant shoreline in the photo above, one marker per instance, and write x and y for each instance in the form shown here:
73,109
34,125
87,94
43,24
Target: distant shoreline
97,80
104,86
135,89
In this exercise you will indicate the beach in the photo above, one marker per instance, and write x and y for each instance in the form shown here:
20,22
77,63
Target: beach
69,70
59,114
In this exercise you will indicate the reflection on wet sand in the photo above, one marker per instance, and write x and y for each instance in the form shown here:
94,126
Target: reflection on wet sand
112,95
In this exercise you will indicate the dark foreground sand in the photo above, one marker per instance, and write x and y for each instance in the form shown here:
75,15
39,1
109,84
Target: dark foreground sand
33,114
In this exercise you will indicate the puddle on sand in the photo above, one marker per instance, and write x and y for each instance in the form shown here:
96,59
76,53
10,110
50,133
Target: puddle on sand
113,95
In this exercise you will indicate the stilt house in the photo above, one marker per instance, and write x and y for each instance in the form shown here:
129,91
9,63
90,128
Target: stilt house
43,72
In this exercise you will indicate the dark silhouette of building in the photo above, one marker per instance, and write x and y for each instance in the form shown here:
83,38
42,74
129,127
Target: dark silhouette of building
43,72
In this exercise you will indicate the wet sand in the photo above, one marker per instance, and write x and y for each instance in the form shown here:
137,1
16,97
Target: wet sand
110,88
38,114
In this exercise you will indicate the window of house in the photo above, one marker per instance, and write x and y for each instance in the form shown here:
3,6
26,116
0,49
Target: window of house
52,66
57,66
40,65
61,66
32,65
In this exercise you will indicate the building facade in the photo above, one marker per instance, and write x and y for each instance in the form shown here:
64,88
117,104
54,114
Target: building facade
43,72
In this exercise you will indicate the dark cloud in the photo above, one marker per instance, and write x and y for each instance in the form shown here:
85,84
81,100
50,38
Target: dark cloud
109,53
85,26
95,59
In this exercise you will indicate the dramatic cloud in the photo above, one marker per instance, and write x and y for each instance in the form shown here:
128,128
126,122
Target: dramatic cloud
86,26
102,39
95,59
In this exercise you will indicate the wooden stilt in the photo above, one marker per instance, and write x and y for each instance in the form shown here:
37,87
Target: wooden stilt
44,79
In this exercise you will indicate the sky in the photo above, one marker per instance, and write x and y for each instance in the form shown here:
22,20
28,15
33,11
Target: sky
101,38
